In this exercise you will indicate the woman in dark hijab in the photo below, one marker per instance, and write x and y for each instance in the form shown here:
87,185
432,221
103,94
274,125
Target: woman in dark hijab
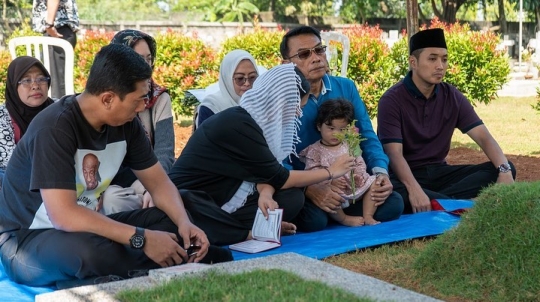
27,87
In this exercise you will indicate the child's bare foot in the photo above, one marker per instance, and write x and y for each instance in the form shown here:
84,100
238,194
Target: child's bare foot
371,221
353,221
288,228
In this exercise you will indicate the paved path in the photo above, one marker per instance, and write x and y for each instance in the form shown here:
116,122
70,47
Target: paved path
520,88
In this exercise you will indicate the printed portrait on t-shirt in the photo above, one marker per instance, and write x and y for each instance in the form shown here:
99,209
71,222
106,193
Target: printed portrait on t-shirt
95,170
90,167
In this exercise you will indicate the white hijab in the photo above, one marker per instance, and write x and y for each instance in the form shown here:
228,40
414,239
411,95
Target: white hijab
274,104
226,97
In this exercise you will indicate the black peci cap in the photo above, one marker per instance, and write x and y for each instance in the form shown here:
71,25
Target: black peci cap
427,38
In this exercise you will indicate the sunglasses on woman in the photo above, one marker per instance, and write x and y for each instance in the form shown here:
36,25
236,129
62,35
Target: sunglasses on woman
240,81
306,53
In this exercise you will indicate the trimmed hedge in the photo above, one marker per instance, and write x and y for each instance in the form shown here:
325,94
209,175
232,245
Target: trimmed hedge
262,44
185,62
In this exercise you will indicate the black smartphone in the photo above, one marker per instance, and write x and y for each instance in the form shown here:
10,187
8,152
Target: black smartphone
192,250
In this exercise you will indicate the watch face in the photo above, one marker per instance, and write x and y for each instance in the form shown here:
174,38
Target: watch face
504,168
137,241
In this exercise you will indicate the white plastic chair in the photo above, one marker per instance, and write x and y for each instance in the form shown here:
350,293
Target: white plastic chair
331,50
38,47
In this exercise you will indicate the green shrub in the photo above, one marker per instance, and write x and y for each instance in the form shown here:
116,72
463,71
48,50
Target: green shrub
262,44
399,53
183,63
5,59
370,64
493,254
537,106
87,47
476,68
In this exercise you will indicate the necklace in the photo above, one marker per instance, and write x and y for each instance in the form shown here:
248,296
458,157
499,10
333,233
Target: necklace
322,143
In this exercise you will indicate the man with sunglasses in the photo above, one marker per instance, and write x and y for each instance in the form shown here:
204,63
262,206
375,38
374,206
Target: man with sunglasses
303,47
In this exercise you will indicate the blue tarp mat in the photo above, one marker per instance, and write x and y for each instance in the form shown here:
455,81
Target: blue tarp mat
333,240
11,291
339,239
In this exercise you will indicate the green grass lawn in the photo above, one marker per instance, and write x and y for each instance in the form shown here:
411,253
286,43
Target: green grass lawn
512,122
258,285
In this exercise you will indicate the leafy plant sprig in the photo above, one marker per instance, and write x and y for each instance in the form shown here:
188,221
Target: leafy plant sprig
351,136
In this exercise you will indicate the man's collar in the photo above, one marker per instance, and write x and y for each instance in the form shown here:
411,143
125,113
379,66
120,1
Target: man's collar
411,87
326,86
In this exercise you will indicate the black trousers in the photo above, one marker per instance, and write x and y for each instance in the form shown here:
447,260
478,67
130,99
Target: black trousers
312,218
46,257
223,228
58,58
444,181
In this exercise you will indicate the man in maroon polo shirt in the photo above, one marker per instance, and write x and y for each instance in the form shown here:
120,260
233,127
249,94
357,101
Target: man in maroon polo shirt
416,120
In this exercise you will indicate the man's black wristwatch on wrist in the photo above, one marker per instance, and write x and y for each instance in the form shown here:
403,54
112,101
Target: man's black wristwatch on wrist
137,240
48,25
504,168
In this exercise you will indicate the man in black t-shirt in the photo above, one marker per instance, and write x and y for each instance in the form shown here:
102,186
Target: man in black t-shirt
50,232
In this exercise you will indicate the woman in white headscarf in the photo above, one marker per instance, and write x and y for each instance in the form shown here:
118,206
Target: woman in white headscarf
237,73
232,163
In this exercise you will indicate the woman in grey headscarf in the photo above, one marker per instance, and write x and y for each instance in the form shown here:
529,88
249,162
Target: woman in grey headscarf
235,158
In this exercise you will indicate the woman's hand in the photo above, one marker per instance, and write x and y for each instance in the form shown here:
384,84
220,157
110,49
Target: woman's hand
266,199
343,164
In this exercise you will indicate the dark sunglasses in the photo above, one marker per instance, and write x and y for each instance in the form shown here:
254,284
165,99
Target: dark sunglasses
242,80
306,53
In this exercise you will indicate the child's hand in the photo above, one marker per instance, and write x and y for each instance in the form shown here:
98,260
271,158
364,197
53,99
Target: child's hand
340,182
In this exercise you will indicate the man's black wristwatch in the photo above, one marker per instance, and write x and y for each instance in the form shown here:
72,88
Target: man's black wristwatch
48,25
504,168
137,240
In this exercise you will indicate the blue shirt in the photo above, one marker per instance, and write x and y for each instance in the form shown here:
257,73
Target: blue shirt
333,88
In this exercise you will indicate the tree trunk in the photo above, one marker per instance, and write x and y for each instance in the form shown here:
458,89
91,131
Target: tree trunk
412,17
272,6
537,10
502,18
450,11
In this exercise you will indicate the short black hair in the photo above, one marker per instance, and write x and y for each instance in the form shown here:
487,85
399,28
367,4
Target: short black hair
302,30
416,53
334,109
117,68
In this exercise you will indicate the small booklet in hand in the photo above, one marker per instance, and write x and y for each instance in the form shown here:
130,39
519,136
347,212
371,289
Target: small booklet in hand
266,233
